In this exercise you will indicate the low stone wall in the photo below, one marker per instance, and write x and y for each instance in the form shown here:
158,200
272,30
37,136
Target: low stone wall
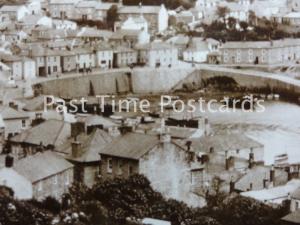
154,81
249,79
112,83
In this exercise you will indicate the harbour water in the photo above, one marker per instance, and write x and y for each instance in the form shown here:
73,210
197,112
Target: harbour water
278,127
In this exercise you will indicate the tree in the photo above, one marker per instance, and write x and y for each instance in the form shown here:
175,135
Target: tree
244,26
222,12
231,23
112,16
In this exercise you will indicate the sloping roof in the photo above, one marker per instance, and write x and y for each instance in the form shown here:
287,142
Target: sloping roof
10,8
9,113
41,165
198,44
292,15
256,176
32,19
92,32
91,146
261,44
293,217
95,120
155,46
34,104
221,143
63,2
10,58
41,51
138,9
87,4
2,124
296,194
50,132
120,34
130,146
179,40
275,194
104,6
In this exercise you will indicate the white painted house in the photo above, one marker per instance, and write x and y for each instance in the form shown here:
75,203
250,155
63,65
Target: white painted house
34,7
198,49
157,54
15,121
22,68
135,23
15,12
104,56
64,24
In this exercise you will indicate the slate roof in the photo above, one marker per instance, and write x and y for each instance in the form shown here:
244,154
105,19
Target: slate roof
92,145
10,8
63,2
9,113
50,132
261,44
296,194
155,46
2,124
276,194
120,34
41,165
10,58
179,40
95,120
221,143
130,146
87,4
256,176
293,217
138,9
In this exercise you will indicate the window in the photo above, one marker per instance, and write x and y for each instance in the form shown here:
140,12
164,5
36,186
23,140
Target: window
40,186
109,165
23,123
237,151
120,167
54,69
54,59
130,170
67,178
297,205
55,179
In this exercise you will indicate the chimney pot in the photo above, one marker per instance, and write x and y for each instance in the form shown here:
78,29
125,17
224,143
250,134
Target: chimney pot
272,174
76,147
232,186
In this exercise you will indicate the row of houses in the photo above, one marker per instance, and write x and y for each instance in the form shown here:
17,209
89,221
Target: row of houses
37,60
261,52
96,147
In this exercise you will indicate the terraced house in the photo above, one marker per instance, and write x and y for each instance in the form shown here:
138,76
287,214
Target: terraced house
261,52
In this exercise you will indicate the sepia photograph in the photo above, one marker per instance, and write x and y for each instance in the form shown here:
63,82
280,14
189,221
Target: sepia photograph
149,112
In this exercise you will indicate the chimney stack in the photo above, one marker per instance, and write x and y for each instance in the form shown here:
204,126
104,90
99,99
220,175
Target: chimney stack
272,174
231,186
251,187
265,183
77,128
188,145
76,148
229,161
9,161
251,160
